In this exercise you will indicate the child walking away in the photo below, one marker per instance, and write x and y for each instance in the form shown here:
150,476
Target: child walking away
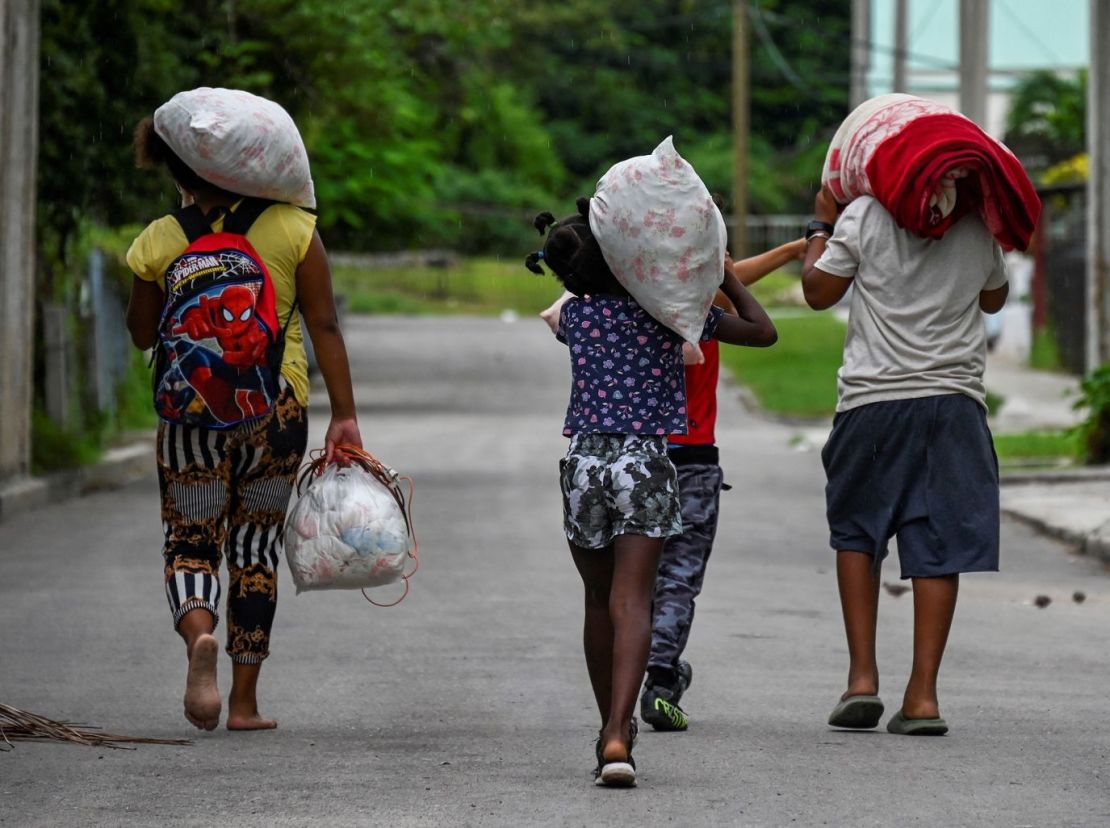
700,480
620,493
910,454
216,292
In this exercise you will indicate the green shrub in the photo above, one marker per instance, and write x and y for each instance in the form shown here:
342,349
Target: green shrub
1094,432
54,448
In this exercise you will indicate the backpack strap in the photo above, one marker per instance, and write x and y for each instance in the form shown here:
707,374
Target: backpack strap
193,222
292,313
249,210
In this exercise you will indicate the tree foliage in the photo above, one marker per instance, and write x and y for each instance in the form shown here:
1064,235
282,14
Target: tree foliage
1047,123
437,122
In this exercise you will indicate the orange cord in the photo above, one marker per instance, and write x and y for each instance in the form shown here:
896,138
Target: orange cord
346,455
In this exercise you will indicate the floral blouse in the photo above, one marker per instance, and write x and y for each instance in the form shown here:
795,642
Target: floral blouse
626,369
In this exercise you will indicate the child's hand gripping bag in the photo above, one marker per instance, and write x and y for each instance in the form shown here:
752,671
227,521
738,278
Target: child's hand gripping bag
238,141
351,527
663,237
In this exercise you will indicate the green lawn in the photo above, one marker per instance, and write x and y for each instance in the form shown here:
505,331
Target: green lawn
474,286
797,375
779,290
1036,448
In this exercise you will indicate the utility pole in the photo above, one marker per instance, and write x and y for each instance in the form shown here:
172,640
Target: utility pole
901,45
974,33
1098,191
861,50
741,124
19,72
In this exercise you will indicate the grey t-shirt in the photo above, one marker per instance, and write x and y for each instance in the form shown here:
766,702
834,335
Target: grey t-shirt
914,327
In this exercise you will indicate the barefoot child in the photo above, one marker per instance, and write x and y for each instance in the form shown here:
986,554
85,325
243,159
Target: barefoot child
685,556
910,454
620,495
225,491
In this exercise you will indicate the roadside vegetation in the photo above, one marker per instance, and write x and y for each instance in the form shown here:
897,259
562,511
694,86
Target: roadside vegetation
482,286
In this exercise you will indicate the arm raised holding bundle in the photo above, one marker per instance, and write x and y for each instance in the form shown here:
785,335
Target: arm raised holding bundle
751,325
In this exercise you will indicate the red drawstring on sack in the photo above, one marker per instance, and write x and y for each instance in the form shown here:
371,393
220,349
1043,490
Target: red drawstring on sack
346,455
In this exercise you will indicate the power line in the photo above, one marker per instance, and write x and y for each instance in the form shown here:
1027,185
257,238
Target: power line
1029,33
755,14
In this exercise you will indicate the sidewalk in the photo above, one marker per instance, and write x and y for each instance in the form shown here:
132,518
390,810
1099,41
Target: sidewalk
119,466
1032,399
1071,504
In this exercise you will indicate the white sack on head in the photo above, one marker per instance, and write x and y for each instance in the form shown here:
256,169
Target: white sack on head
346,532
662,236
238,141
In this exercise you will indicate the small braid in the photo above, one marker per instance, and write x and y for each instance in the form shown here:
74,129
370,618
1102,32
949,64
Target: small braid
573,254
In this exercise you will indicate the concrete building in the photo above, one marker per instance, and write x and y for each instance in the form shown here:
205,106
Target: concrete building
1022,37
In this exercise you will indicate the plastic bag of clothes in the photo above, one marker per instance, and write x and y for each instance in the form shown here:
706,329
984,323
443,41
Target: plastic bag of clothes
662,236
238,141
350,529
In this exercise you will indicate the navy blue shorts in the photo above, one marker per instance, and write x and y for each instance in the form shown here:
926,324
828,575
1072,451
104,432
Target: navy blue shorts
923,470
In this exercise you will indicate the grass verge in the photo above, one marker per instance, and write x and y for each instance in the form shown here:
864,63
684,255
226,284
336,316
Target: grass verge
797,376
483,287
1037,448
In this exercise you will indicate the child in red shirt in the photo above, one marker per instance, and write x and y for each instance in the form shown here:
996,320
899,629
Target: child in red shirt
700,481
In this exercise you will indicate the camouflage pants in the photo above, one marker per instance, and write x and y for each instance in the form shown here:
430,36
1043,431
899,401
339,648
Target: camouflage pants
618,484
682,566
226,493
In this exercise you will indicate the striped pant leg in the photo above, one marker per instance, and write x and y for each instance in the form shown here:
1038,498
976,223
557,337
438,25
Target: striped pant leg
264,469
192,479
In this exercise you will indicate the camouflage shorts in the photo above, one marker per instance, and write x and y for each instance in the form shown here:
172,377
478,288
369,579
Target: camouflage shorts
618,484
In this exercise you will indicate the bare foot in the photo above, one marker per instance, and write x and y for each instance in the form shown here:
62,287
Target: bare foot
202,696
615,751
865,685
248,721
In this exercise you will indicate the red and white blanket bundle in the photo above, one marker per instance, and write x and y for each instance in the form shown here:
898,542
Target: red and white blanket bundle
929,166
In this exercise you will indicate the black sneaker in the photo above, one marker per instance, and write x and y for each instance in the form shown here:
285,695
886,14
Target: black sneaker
617,774
659,708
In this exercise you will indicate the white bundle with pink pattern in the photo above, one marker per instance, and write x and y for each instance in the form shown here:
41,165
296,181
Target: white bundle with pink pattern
239,142
662,236
347,531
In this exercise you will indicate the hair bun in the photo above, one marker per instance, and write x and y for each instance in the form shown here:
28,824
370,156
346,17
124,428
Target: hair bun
583,206
542,221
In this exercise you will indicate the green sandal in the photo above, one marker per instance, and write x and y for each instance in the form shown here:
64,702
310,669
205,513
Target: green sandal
857,712
916,727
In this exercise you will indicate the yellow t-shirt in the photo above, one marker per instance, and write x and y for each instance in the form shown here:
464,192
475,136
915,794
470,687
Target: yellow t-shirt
281,235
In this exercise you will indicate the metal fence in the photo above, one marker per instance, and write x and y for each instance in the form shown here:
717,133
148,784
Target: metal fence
765,232
1062,273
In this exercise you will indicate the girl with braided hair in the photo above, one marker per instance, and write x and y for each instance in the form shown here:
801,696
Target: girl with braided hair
620,491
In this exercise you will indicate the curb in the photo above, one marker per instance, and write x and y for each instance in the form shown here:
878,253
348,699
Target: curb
118,467
1094,544
1085,474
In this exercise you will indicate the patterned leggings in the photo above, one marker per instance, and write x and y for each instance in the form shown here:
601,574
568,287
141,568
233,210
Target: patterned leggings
682,565
227,492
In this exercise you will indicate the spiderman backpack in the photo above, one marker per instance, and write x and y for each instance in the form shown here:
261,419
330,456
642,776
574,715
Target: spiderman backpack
219,350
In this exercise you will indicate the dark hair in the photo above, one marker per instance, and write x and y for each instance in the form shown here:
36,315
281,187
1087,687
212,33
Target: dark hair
151,152
573,254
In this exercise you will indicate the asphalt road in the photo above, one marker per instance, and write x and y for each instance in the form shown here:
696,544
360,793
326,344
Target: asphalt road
468,704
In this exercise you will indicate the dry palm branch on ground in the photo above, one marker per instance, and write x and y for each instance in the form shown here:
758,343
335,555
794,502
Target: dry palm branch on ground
19,725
